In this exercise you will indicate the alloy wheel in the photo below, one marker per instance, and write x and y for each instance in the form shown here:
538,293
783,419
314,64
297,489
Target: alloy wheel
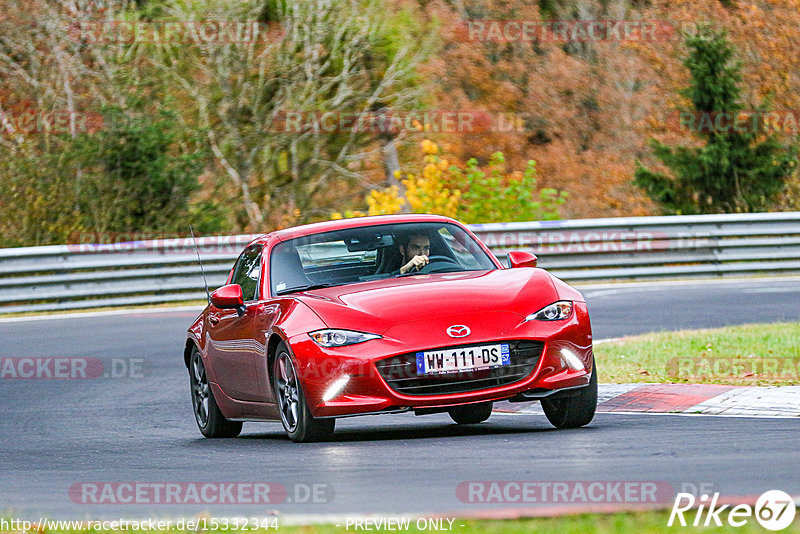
287,392
200,391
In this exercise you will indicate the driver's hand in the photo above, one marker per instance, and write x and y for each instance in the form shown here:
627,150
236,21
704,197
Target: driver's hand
416,263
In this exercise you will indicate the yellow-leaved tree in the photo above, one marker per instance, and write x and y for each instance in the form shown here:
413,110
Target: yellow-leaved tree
470,194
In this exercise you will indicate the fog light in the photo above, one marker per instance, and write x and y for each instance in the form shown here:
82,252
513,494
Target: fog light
572,361
335,388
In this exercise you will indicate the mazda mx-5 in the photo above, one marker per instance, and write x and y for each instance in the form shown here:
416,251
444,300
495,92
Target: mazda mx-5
387,314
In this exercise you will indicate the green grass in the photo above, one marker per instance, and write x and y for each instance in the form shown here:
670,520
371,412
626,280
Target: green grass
629,522
754,355
633,522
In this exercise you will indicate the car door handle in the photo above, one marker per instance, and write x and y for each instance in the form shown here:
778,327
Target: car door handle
213,319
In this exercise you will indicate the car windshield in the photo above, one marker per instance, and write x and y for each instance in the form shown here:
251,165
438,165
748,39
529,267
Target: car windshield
372,253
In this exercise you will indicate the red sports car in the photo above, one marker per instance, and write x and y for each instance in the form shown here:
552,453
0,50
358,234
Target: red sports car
388,314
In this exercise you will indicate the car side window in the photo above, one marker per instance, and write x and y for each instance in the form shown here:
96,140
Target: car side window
247,272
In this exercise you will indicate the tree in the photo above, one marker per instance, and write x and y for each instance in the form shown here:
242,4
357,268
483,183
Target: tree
471,194
64,167
37,197
737,168
135,179
318,57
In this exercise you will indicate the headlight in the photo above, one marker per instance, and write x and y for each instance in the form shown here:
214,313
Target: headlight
552,312
340,338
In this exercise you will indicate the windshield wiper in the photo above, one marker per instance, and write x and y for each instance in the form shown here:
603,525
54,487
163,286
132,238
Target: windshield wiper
304,288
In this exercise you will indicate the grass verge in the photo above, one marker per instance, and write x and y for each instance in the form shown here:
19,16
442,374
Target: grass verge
747,355
622,523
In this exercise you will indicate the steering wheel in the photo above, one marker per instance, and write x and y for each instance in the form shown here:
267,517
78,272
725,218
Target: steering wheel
432,268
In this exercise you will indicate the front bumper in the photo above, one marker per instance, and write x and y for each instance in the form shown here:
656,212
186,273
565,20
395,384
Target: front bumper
368,391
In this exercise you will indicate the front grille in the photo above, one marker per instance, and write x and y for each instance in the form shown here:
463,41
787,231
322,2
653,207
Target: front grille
400,372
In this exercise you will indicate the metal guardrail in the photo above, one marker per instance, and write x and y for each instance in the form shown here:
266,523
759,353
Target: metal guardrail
655,247
147,272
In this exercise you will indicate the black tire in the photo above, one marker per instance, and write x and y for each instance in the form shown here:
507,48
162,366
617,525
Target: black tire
209,419
575,411
296,418
471,414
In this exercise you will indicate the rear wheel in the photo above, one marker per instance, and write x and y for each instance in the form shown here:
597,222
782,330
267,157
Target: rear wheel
575,411
210,421
471,414
297,420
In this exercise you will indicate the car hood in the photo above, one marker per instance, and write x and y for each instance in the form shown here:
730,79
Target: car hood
378,305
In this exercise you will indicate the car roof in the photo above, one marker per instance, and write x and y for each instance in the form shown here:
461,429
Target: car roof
354,222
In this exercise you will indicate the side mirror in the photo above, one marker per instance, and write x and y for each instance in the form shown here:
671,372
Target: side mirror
520,258
229,298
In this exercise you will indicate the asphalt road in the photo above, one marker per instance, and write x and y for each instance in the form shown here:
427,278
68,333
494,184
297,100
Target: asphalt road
56,434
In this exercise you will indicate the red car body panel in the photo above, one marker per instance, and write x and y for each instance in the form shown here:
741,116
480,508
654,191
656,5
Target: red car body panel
410,314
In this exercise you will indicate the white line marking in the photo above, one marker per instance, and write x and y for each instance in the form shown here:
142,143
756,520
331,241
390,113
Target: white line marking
81,315
669,413
601,293
784,289
683,414
684,283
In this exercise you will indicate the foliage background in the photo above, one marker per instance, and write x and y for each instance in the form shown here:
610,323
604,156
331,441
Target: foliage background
193,141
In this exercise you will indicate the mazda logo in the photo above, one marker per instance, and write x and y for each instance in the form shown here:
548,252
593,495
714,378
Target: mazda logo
458,330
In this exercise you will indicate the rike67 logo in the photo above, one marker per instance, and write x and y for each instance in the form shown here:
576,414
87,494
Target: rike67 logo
774,510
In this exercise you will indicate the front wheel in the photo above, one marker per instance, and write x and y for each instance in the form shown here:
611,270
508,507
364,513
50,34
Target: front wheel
297,420
575,411
210,421
471,414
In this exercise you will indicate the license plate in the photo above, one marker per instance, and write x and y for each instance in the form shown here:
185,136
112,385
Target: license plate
463,359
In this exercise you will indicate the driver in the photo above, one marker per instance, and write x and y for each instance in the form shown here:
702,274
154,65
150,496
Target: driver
414,249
